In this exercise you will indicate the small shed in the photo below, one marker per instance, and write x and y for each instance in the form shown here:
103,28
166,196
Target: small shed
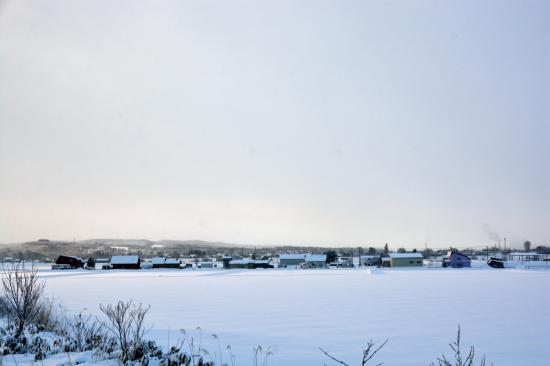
406,259
70,261
455,259
291,259
125,262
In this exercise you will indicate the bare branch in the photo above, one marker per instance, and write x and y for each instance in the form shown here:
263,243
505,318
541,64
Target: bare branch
334,359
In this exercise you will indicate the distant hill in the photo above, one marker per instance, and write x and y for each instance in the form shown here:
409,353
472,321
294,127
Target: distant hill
164,243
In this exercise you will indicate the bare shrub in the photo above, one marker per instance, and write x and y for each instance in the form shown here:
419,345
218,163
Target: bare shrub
125,320
368,353
458,356
23,291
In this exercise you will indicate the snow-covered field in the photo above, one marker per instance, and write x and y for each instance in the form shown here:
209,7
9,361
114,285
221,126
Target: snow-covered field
504,313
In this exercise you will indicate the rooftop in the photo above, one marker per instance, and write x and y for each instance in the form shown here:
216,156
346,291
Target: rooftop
406,255
291,256
124,259
316,258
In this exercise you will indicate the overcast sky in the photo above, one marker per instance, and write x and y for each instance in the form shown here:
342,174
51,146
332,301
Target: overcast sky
256,122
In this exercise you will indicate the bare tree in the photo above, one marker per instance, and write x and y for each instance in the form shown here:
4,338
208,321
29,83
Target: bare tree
23,291
125,321
368,353
458,356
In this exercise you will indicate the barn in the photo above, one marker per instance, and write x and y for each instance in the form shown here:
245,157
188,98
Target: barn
125,262
69,261
406,259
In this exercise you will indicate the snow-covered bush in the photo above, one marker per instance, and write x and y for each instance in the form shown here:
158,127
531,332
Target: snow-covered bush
85,333
32,340
40,347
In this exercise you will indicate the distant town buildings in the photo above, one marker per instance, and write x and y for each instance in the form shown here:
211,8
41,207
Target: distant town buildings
406,259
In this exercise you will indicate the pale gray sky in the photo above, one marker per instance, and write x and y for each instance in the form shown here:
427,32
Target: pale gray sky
256,122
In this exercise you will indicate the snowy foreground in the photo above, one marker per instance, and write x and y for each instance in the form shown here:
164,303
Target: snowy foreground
504,313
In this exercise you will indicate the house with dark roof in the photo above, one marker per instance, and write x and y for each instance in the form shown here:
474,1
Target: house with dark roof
69,262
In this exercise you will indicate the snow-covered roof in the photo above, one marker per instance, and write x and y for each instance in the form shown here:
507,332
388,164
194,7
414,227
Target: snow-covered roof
246,261
528,254
124,259
406,255
158,260
367,256
240,261
291,256
172,261
316,258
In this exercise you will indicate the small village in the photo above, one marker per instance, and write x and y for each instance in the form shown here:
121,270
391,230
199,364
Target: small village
328,260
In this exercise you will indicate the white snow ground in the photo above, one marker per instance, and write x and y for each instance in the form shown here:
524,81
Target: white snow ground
504,313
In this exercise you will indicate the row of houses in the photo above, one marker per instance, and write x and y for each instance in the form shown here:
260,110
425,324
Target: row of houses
286,260
454,259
